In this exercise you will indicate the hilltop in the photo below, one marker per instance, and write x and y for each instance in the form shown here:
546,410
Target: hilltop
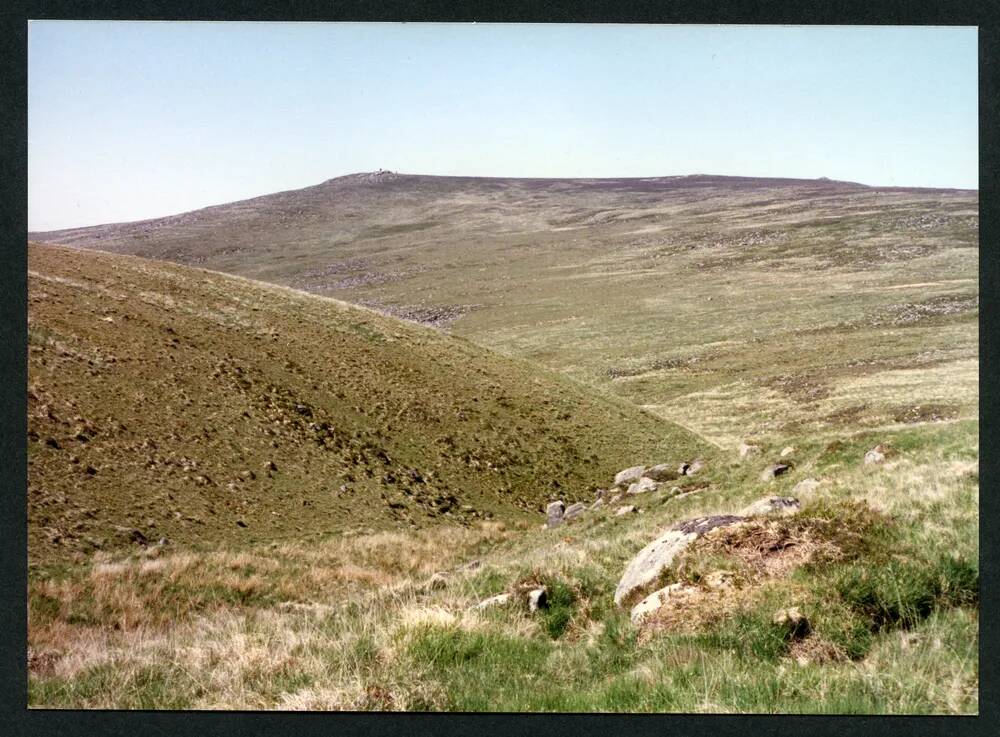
169,402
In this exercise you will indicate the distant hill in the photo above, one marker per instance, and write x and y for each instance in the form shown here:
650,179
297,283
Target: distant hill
160,396
726,303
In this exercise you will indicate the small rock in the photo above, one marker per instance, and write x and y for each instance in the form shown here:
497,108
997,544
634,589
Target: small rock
629,476
654,601
661,472
270,466
695,466
805,486
554,514
642,486
683,469
748,450
598,504
793,621
240,523
574,510
875,455
784,505
627,509
537,599
719,580
247,475
616,498
773,470
497,600
600,493
437,581
787,451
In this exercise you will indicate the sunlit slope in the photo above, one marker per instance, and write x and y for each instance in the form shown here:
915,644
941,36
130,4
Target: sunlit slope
172,402
741,307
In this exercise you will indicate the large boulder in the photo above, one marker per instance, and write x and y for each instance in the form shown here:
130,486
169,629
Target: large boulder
661,472
642,486
574,510
773,471
554,514
629,476
783,505
656,557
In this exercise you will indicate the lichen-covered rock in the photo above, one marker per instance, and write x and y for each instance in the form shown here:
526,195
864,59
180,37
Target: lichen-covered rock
773,471
658,555
661,472
629,476
642,486
783,505
554,514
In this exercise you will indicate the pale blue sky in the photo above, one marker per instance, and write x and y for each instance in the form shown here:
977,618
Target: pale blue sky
136,120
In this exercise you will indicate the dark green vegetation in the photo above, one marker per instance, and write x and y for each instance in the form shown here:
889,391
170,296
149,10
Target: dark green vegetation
167,402
813,319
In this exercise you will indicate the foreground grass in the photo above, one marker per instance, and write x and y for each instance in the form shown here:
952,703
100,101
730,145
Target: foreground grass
363,623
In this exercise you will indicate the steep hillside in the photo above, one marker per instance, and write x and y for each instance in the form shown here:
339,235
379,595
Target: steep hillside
168,402
741,307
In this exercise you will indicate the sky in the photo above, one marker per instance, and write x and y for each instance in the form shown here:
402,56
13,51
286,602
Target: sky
133,120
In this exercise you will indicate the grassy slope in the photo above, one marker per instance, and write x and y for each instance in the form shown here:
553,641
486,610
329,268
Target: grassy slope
154,389
839,317
741,307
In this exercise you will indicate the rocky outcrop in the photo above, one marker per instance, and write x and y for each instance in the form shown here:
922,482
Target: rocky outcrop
554,514
642,486
656,557
629,476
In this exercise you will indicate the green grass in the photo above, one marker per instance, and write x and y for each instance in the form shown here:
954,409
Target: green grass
827,320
